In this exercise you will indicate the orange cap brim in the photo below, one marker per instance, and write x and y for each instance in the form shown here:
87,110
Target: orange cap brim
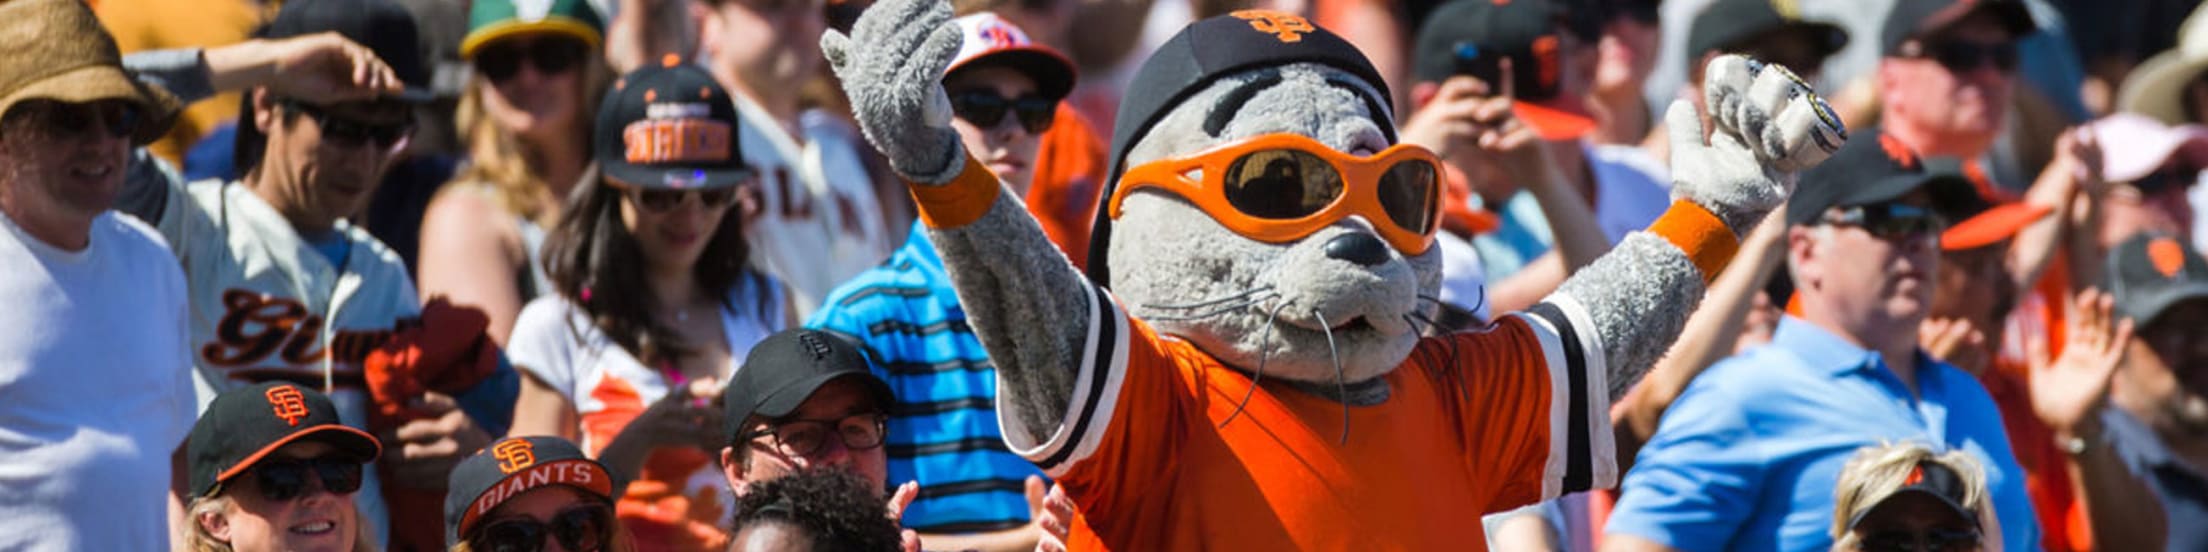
1554,119
1999,223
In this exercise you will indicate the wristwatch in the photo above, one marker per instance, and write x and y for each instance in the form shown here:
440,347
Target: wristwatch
2074,446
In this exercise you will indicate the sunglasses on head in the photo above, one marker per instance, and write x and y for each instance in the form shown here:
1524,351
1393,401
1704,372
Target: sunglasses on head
985,109
1936,540
284,480
352,133
1282,187
1889,221
502,60
1963,57
804,438
581,528
73,120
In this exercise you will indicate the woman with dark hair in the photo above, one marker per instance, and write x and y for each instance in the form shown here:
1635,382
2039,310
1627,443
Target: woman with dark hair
655,299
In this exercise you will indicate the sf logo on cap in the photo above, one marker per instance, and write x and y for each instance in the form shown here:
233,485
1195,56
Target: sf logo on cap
514,455
1284,26
288,404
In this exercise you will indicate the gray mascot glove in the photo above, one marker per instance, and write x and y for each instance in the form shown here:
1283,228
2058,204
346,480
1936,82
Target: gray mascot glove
892,69
1768,124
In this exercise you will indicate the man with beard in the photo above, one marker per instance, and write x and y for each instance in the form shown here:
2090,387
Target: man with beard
2160,420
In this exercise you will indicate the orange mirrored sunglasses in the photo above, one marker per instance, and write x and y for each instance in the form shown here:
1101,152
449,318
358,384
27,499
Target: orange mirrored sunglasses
1282,187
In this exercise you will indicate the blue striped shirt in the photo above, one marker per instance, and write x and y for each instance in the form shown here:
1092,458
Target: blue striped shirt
943,430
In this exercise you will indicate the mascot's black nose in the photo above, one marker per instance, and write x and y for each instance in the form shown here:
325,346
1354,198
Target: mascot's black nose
1357,247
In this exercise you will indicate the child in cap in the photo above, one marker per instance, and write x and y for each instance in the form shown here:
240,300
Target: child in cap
530,493
655,299
272,468
1906,497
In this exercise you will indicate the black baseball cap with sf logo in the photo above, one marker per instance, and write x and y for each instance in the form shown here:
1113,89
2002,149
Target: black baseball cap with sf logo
244,425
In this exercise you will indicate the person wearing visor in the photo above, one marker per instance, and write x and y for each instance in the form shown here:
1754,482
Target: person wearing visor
273,468
525,116
656,300
533,494
1905,497
1749,452
284,286
1004,91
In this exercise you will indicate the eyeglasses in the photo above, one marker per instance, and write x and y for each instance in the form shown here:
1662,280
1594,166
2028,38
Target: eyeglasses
1935,540
1282,187
502,60
353,133
986,109
660,201
581,528
1889,221
806,437
78,120
1963,57
284,480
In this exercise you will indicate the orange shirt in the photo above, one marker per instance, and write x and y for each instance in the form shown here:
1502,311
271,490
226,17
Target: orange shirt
1069,175
2038,317
1476,422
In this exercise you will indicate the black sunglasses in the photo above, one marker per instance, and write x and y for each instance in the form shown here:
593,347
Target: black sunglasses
551,56
581,528
662,201
806,437
1963,57
72,120
284,480
985,109
1889,221
1935,540
2166,178
345,132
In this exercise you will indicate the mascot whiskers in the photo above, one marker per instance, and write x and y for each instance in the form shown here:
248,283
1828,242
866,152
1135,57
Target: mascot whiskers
1255,377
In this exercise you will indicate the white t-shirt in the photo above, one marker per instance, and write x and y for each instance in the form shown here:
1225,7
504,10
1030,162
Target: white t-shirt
556,342
819,221
95,388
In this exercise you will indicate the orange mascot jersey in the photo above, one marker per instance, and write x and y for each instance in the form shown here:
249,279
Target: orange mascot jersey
1476,422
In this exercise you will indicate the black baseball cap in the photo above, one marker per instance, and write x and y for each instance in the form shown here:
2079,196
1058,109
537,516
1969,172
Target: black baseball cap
383,26
671,127
1873,167
2149,273
1204,51
788,367
244,425
1530,34
1728,25
1930,478
515,465
1917,18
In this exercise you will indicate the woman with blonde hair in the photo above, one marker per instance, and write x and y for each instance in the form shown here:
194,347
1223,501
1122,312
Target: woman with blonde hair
526,119
1898,497
272,468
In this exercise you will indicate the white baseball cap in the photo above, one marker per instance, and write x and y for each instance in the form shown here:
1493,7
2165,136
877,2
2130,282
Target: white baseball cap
990,39
2135,145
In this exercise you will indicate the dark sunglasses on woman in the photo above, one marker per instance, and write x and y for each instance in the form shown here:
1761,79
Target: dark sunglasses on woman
662,201
581,528
501,60
284,480
985,109
66,119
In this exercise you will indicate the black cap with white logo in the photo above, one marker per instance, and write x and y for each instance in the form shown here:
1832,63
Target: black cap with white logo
244,425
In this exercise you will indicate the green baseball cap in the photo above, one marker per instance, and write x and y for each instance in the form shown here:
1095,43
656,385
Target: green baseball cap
490,20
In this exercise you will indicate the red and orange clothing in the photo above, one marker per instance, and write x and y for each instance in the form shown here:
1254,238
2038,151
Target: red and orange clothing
1475,422
1069,175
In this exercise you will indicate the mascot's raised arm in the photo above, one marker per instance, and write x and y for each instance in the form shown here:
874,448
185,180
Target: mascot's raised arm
1256,378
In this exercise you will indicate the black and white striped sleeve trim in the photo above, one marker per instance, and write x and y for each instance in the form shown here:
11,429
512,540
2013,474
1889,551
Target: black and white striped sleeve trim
1096,388
1582,454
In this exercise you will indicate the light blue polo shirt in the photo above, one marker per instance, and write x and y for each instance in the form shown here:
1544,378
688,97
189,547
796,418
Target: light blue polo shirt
1746,459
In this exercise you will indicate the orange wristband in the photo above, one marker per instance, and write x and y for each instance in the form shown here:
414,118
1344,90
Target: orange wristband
961,202
1698,233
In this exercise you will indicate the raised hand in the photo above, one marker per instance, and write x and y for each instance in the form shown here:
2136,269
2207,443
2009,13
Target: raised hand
1954,340
892,68
2071,388
1767,123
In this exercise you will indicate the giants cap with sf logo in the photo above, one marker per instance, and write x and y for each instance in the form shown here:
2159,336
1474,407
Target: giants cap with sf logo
509,467
243,425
